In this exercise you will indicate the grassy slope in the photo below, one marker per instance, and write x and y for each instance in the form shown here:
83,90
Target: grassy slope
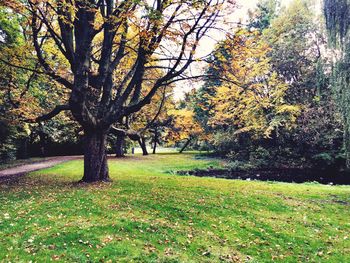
149,215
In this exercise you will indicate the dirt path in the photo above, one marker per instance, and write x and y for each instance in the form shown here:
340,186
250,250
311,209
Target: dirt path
26,168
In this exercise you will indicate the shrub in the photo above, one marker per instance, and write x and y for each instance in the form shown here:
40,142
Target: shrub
260,157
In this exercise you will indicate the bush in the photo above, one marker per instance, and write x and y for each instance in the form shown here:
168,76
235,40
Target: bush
260,157
328,160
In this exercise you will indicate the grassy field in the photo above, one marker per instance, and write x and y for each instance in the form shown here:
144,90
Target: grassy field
147,214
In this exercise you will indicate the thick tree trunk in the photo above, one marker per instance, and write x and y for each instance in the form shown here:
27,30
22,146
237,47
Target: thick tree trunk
119,146
154,148
95,157
155,141
185,145
23,153
42,143
347,147
142,144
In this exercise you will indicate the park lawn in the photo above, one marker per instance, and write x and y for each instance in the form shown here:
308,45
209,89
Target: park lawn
148,214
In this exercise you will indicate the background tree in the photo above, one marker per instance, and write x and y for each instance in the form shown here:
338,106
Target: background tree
253,98
338,23
185,129
295,42
148,122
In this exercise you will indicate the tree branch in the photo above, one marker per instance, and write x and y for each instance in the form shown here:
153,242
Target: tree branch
43,62
57,110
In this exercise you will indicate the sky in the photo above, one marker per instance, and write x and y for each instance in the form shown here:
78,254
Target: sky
207,45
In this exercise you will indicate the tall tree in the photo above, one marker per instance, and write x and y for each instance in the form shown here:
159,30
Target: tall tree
253,98
337,13
296,44
94,37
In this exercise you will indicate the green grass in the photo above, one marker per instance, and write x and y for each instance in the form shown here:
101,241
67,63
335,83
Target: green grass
147,214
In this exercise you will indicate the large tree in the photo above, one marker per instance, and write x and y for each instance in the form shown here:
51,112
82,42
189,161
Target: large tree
95,39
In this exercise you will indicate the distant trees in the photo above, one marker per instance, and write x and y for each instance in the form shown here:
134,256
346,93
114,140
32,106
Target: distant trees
252,97
298,39
185,128
148,123
24,94
250,100
272,100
